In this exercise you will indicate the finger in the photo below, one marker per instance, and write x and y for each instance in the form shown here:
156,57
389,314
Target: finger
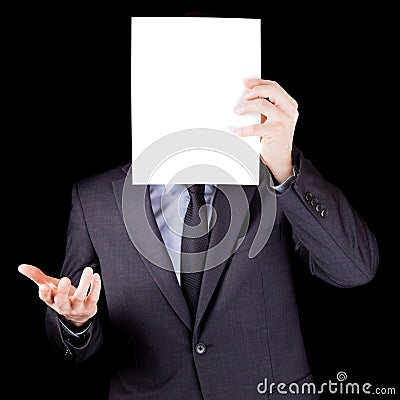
250,130
84,284
45,294
279,94
61,298
251,82
33,273
275,94
261,106
36,275
95,288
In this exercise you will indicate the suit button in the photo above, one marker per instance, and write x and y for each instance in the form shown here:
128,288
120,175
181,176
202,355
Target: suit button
309,196
200,348
318,207
314,201
323,212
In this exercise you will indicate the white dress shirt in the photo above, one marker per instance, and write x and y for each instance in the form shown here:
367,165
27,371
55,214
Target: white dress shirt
173,209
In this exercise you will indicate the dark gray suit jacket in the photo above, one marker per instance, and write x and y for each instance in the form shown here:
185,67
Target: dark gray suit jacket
247,319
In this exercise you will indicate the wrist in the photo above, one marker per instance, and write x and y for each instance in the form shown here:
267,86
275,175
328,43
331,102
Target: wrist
281,172
281,168
76,325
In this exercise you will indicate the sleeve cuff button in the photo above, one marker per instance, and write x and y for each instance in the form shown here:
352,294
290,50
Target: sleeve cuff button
308,196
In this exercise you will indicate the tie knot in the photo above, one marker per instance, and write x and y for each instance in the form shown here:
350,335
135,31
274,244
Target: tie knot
196,189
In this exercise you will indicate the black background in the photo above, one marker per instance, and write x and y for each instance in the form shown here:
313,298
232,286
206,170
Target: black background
70,80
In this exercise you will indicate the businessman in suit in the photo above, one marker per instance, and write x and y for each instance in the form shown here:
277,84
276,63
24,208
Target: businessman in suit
243,326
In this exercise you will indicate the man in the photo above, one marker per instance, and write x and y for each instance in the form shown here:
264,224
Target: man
243,327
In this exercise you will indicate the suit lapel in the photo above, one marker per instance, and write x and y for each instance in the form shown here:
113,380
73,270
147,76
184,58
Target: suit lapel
224,229
229,232
146,237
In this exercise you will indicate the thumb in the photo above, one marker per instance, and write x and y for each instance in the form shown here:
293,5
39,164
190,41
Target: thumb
33,273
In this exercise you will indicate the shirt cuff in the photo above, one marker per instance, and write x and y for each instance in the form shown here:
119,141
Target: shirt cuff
287,183
72,333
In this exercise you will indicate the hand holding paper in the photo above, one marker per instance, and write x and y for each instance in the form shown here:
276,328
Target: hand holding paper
279,116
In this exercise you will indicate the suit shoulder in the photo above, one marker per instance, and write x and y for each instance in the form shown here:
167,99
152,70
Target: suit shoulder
104,178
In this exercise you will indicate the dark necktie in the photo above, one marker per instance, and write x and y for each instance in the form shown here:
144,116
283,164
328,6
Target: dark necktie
194,247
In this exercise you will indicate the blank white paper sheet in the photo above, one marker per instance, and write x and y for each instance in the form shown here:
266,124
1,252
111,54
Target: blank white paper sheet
187,79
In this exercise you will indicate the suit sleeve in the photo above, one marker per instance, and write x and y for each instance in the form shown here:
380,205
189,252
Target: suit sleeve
329,234
79,254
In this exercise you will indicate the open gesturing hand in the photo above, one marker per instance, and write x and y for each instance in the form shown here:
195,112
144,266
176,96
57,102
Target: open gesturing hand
76,305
